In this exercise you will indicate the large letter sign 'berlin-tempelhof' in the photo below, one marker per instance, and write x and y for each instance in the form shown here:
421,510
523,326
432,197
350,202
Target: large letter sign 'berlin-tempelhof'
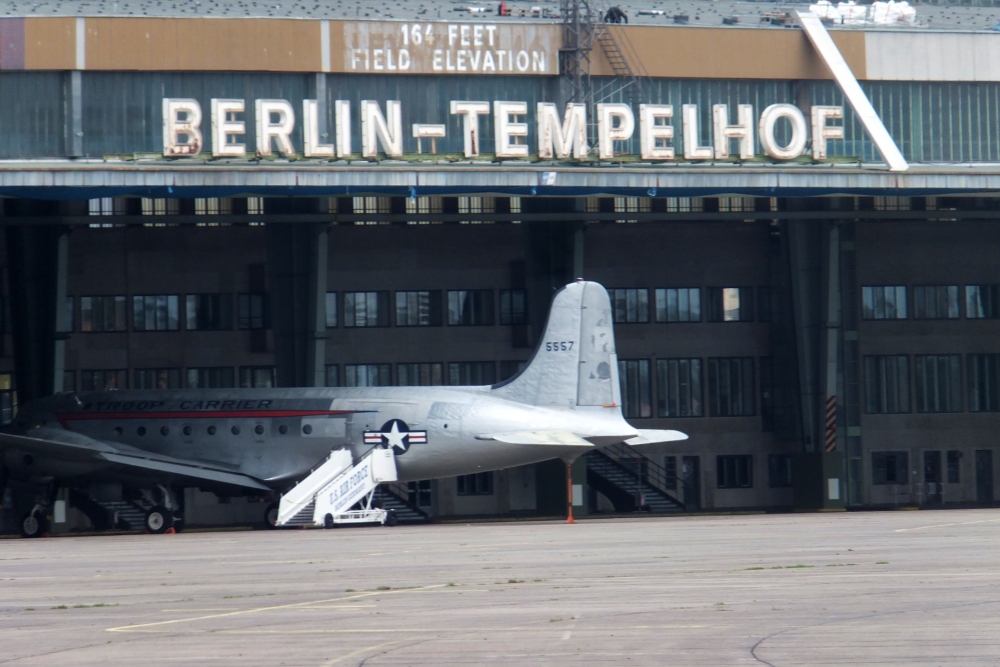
557,138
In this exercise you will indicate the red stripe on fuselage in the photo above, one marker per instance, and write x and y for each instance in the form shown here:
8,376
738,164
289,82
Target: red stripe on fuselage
201,414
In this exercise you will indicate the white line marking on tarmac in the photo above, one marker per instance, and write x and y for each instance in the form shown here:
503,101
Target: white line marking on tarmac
567,635
255,610
358,652
943,525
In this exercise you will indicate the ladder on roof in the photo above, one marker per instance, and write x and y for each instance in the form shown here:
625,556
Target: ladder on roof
326,495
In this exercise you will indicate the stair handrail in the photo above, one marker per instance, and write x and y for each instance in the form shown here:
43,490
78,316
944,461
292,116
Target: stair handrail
658,478
402,492
626,51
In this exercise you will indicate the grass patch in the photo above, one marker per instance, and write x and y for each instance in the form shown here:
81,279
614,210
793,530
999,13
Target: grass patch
515,581
383,588
753,568
93,606
882,562
555,620
62,606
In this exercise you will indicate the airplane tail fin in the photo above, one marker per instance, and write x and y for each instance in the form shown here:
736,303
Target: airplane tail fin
575,363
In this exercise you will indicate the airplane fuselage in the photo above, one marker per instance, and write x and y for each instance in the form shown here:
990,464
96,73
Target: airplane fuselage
278,435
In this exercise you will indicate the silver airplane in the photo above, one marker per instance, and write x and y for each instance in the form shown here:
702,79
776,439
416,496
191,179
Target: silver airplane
565,402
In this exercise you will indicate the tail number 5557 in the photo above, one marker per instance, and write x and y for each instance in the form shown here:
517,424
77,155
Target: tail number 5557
559,346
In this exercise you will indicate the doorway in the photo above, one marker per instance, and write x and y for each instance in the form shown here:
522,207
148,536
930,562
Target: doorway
984,476
932,477
691,475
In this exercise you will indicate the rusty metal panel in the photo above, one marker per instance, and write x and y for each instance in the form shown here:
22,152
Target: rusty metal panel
207,44
50,43
728,53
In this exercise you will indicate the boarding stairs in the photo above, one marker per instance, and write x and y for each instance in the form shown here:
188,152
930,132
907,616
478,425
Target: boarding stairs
325,497
622,473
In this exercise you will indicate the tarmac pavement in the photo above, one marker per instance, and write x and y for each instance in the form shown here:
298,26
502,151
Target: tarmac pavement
874,588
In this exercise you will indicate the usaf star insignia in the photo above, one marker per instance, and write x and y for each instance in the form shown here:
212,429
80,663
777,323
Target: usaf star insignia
396,435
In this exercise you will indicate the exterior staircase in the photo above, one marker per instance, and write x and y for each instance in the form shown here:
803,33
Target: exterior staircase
394,497
619,472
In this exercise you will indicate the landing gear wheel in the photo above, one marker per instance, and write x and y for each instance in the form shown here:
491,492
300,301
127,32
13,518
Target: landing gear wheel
390,518
34,525
159,520
328,521
271,516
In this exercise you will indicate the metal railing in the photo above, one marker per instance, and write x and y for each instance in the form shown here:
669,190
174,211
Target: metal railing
649,472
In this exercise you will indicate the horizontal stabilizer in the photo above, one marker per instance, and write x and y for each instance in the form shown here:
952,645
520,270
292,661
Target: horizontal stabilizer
550,437
650,436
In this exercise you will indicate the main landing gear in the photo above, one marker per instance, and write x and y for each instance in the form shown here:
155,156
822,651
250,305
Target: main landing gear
35,524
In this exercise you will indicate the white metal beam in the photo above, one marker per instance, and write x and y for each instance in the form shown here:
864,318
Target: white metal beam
830,54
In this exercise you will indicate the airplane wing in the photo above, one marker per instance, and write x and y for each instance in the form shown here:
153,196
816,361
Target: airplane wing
649,436
146,464
545,437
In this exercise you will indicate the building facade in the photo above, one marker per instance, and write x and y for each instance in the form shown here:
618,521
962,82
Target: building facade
236,212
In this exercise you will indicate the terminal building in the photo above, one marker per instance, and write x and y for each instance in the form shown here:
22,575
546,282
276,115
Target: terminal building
802,261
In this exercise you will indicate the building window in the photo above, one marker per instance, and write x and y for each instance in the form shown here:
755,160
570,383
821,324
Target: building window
372,206
630,305
156,312
331,310
107,206
678,385
69,380
889,468
471,373
157,378
217,377
765,303
731,387
670,473
366,309
779,471
730,304
513,306
883,302
160,206
418,309
103,380
892,203
102,313
633,375
209,312
937,381
476,484
954,462
632,205
470,307
510,368
678,304
332,375
685,205
736,204
424,206
419,492
252,311
419,375
887,384
368,375
984,382
982,302
468,205
935,302
767,390
256,377
734,471
8,398
213,206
